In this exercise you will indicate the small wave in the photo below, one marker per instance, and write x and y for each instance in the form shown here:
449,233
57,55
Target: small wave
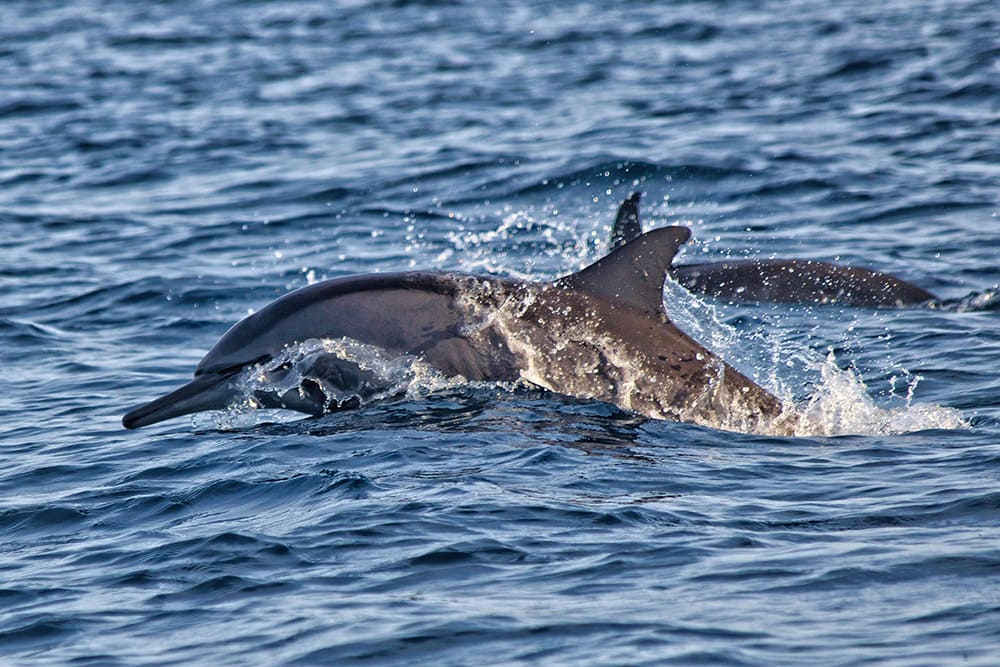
904,214
617,172
605,173
120,177
28,332
32,107
150,40
682,30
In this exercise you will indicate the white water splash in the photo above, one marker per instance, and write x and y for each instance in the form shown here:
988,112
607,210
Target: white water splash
841,405
820,398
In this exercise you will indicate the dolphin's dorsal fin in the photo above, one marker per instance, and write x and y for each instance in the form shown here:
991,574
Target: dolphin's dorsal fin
632,275
627,226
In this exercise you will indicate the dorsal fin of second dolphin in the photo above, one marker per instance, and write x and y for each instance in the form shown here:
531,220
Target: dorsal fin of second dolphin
633,274
627,225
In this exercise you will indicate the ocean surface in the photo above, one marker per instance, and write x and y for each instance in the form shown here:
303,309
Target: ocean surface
167,168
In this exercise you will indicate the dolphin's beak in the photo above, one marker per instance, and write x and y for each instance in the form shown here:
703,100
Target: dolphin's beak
206,392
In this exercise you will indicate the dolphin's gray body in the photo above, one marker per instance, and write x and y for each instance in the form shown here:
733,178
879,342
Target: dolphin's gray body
779,280
798,281
601,333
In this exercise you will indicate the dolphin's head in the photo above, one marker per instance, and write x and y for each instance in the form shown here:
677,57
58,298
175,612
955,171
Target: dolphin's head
255,339
398,312
213,387
315,383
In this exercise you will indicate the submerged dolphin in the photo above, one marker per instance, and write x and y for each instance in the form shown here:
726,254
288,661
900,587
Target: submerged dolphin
601,333
779,280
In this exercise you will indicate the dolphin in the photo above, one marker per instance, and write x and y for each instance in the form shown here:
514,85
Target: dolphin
601,333
779,280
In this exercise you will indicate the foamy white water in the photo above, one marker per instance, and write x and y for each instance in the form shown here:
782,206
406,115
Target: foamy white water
820,397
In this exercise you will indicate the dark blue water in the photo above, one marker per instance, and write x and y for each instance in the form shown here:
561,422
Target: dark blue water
166,168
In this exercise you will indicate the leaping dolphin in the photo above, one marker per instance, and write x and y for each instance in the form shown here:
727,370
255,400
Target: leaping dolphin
779,280
601,333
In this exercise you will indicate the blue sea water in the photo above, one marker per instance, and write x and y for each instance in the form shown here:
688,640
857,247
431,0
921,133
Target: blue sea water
166,168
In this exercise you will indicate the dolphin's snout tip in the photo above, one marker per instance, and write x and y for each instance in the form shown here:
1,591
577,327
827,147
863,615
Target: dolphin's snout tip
133,419
129,421
151,413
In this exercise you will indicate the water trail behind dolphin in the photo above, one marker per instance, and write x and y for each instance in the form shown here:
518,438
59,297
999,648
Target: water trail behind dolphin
827,400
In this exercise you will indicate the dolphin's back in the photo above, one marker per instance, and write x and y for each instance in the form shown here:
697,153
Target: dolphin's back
403,313
798,281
